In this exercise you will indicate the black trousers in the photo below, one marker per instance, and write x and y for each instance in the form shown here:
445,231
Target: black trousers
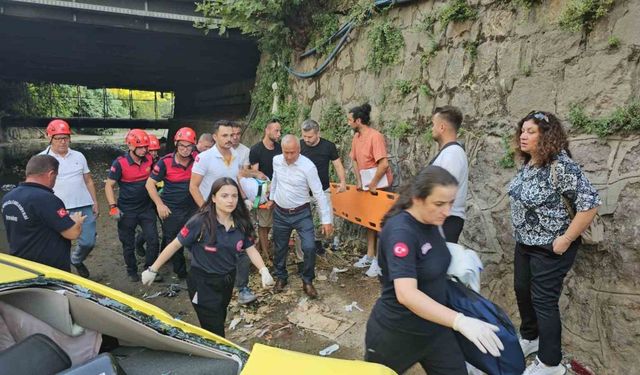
438,354
452,227
146,219
538,277
170,228
213,296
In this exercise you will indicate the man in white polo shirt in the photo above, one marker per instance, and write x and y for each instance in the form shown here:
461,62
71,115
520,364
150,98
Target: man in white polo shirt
222,160
74,186
242,150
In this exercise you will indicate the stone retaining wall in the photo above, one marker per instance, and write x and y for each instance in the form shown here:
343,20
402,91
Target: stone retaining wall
523,62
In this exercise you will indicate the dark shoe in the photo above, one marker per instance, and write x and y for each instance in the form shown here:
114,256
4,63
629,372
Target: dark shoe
159,278
134,278
310,290
280,284
82,270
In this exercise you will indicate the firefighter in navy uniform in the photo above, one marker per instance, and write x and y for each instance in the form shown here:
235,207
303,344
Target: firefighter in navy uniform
134,207
39,228
216,236
175,205
410,323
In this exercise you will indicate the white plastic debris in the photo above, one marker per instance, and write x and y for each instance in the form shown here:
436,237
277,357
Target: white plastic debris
351,306
329,350
234,323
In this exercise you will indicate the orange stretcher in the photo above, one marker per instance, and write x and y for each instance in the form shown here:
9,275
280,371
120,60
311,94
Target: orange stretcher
361,207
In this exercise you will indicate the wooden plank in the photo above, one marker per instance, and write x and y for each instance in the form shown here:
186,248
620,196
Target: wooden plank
361,207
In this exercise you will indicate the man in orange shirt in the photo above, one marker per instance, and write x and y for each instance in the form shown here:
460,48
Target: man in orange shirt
371,166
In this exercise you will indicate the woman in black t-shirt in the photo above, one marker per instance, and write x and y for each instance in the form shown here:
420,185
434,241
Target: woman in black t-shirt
215,236
410,322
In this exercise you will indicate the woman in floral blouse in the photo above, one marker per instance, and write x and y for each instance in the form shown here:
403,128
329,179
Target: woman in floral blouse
547,238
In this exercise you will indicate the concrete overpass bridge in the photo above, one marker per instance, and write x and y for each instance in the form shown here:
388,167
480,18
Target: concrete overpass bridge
137,44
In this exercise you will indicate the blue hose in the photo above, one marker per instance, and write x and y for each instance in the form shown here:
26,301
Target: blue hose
342,33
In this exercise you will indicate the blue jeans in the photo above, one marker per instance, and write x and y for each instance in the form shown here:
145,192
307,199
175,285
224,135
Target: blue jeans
283,225
87,240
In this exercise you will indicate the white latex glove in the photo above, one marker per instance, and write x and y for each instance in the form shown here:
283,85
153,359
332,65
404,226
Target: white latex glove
148,276
249,204
267,280
480,333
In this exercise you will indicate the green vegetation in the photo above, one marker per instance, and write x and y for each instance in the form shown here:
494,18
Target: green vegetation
427,55
262,94
622,120
580,14
426,90
613,42
427,24
400,129
385,44
427,136
404,87
56,100
471,48
508,158
456,11
526,3
333,122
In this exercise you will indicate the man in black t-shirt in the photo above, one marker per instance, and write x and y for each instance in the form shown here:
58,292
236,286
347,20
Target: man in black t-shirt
261,159
321,152
38,226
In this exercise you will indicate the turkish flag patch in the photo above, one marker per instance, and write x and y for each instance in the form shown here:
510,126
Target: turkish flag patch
239,246
400,249
156,169
113,169
184,232
62,212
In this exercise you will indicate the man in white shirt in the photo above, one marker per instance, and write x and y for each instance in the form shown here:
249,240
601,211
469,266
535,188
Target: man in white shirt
294,176
74,186
221,160
241,150
446,123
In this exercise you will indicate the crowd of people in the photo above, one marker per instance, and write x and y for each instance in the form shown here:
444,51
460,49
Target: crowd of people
208,194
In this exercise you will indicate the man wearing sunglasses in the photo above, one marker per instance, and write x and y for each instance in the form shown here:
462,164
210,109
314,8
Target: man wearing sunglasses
75,187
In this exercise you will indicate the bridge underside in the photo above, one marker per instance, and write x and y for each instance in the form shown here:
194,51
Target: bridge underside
122,46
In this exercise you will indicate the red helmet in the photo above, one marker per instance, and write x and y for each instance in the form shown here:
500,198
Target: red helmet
185,134
154,143
137,138
58,127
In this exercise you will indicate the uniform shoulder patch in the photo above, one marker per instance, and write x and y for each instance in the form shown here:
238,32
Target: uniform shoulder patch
184,232
400,249
239,245
62,212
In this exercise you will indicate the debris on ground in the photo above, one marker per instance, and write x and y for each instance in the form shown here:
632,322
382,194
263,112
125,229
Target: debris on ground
312,317
351,306
329,350
234,323
333,276
171,291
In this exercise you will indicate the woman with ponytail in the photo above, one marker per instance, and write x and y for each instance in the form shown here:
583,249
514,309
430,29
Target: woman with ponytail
216,235
410,323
